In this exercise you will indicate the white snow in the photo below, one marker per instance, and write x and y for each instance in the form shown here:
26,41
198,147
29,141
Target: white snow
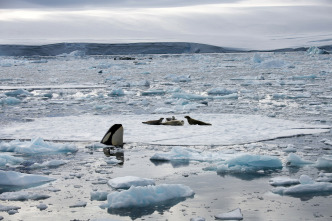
283,181
22,196
147,195
12,178
226,129
128,181
232,215
36,146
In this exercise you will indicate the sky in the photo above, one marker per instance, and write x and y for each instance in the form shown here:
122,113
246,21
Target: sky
248,24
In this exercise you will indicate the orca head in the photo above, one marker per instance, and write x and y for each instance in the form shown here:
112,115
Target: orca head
114,136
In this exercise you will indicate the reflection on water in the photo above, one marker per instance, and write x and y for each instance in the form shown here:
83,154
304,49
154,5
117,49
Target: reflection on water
138,212
112,151
174,163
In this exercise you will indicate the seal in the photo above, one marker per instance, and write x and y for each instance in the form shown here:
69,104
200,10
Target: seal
114,136
192,121
174,123
154,122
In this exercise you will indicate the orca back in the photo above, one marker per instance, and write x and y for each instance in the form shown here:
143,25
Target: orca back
114,136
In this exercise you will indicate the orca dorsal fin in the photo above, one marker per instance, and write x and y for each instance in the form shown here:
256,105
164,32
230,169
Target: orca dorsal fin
114,136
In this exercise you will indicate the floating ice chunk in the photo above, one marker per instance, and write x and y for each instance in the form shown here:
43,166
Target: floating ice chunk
309,77
197,219
10,101
115,78
189,96
180,78
290,148
42,206
113,161
324,162
35,146
153,92
78,204
52,163
307,188
181,153
316,50
221,91
232,215
283,181
98,195
116,92
18,93
273,64
234,96
324,177
22,196
294,160
250,163
144,83
147,195
128,181
8,208
327,142
305,179
257,58
7,159
12,178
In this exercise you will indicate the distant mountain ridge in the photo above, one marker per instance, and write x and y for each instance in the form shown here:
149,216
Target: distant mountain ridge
123,49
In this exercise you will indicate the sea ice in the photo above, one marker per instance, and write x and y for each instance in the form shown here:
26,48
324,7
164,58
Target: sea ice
232,215
52,163
22,196
294,160
10,101
250,163
283,181
221,91
78,204
324,162
36,146
128,181
42,206
12,178
11,160
324,177
7,208
18,93
197,219
146,196
98,195
306,186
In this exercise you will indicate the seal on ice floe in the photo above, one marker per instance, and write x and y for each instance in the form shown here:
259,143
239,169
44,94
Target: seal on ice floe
192,121
154,122
174,123
114,136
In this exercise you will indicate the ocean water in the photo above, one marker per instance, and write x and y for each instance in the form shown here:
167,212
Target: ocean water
261,104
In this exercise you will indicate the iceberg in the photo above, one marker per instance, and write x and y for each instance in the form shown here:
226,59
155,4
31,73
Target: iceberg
12,178
10,101
18,93
128,181
146,196
314,188
36,146
98,195
315,50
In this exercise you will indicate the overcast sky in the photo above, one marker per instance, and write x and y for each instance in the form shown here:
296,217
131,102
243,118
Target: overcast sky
253,24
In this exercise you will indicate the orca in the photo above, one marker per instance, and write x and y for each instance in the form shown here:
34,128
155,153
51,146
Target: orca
114,136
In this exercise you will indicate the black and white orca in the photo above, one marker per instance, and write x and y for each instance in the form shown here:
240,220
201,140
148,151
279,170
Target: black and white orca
114,136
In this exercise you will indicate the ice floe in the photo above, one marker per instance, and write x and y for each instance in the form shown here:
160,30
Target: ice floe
23,196
232,215
10,160
51,163
226,129
8,208
324,162
36,146
324,177
306,186
146,195
283,181
128,181
98,195
296,161
12,178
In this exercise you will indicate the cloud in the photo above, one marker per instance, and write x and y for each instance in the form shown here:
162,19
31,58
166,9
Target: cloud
106,3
